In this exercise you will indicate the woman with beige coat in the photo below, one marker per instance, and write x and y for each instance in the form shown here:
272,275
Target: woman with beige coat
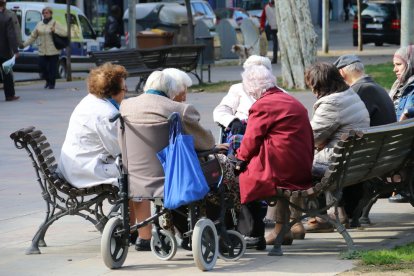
48,54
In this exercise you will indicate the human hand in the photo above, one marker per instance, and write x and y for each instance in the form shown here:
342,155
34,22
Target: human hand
236,127
223,147
403,117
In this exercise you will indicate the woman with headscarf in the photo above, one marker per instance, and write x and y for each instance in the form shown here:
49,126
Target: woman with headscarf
402,92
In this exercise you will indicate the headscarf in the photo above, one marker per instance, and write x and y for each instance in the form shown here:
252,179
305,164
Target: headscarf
405,54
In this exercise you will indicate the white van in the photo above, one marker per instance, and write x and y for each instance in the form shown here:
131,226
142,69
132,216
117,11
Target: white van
83,37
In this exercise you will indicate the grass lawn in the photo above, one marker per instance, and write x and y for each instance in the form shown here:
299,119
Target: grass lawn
381,73
397,261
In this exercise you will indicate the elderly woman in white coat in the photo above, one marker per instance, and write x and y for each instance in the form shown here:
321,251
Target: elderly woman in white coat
48,54
234,107
338,110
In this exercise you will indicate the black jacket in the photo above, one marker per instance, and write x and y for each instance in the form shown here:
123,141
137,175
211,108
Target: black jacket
9,43
378,102
112,33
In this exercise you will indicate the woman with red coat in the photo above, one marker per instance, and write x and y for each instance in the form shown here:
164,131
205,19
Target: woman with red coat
277,148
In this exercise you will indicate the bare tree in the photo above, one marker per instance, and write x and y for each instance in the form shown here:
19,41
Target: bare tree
297,40
190,22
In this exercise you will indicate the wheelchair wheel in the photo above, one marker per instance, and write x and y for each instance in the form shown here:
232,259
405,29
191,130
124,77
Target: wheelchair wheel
166,247
205,244
113,248
233,248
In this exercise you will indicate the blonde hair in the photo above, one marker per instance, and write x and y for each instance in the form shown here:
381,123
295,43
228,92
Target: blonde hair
105,81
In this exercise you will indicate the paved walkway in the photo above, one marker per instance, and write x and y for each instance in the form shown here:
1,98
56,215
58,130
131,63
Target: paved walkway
74,244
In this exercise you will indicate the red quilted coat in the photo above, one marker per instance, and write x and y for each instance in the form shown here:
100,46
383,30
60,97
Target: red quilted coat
278,146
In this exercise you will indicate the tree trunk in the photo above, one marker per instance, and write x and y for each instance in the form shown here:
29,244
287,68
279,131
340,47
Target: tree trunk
190,22
297,41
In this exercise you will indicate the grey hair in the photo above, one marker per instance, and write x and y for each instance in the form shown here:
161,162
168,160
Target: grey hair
257,79
354,67
182,79
258,60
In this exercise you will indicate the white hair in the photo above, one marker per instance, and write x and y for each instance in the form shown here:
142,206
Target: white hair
258,60
182,79
354,67
257,79
158,80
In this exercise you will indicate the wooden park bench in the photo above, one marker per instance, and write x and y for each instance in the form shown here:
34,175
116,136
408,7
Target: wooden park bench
130,59
61,197
380,153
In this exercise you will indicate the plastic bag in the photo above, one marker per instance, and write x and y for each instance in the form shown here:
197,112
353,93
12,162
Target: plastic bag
184,179
8,64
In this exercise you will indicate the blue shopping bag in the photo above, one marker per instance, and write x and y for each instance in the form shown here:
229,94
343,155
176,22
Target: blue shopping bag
184,179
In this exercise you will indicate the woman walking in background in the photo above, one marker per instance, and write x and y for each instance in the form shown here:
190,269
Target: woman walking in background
48,54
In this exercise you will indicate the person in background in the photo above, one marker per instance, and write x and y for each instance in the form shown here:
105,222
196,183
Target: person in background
278,143
402,93
346,7
381,111
269,15
48,54
8,48
113,28
338,110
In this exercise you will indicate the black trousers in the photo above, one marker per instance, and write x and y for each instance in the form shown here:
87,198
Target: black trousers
48,68
8,81
275,45
251,219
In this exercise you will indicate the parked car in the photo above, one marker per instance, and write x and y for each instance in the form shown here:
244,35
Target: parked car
201,10
83,36
238,14
381,22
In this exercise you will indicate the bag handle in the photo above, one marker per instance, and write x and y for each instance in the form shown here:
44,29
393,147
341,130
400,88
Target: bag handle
175,126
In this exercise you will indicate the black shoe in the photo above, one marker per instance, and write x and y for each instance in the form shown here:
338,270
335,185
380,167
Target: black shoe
185,244
46,85
133,237
143,245
258,243
274,61
10,99
51,87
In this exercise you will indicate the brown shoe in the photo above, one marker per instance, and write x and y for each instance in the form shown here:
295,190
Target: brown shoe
14,98
271,237
298,231
318,226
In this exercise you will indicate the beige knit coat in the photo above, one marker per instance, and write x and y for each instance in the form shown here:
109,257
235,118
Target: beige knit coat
43,34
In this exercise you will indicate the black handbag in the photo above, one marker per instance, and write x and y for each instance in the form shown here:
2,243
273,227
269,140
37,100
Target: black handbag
60,41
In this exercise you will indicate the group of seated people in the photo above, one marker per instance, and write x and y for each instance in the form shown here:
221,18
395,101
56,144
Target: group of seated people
273,142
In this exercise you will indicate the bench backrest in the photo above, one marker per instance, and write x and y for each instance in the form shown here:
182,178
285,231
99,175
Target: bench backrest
45,163
184,57
129,58
368,153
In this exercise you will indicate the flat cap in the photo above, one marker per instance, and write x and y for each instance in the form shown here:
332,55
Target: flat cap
346,60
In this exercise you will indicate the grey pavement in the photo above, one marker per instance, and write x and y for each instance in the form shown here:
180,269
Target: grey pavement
74,244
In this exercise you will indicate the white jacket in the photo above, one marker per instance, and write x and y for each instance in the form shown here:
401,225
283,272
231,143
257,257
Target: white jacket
235,104
91,144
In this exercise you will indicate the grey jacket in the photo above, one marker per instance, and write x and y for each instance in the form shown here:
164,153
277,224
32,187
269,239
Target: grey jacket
146,133
334,115
9,43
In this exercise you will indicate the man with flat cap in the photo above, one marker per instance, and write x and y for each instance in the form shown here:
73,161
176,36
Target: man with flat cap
378,102
381,111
